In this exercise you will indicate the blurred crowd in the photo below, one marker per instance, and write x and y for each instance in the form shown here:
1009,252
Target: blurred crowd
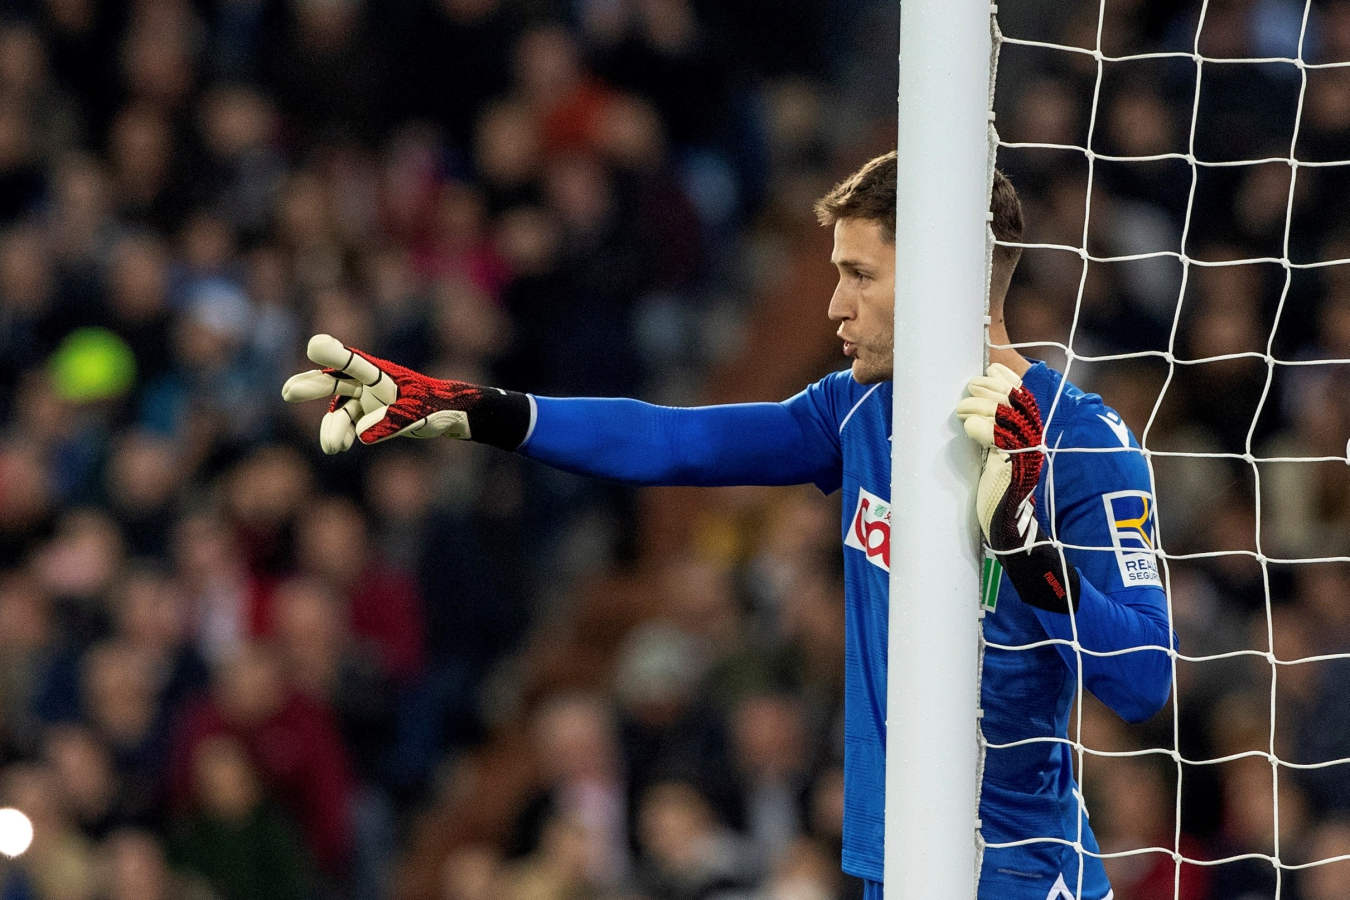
1209,345
232,667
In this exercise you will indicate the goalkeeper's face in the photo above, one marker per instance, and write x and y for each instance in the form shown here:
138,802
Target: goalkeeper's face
864,300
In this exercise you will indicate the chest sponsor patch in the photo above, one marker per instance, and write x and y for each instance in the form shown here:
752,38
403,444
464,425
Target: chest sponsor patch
870,529
1129,519
991,579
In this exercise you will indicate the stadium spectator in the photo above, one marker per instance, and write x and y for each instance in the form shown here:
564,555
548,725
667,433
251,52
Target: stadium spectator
291,738
232,836
598,197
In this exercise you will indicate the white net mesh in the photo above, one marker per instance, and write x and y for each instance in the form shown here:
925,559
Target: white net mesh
1185,170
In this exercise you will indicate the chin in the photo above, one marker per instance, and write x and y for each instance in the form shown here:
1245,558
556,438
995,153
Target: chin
866,374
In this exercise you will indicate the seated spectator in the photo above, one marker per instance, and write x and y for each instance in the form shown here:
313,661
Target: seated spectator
60,860
121,702
580,809
132,866
472,872
380,604
322,661
293,741
1329,840
91,784
684,851
233,836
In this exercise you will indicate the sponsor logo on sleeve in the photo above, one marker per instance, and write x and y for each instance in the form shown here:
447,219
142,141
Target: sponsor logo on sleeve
870,529
1112,420
1129,518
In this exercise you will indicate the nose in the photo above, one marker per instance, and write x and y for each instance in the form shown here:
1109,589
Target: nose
840,308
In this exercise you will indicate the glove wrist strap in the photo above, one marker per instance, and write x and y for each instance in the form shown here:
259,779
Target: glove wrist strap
500,418
1042,578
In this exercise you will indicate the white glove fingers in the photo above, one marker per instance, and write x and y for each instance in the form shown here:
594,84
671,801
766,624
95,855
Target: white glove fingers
337,430
328,351
1004,376
981,428
370,403
369,419
316,383
977,406
988,388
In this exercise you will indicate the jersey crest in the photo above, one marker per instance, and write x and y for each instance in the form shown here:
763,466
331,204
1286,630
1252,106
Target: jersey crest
870,529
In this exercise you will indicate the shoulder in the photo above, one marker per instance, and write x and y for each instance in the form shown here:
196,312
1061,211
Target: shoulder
1077,420
843,387
1074,417
835,397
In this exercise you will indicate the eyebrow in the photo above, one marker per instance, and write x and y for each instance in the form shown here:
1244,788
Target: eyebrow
853,264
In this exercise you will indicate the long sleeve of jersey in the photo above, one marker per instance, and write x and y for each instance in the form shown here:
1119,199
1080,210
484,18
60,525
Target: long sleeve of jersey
642,443
1134,683
1104,518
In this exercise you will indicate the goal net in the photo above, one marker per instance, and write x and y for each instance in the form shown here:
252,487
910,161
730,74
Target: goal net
1185,171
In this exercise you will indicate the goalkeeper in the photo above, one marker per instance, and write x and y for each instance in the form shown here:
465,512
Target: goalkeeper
836,434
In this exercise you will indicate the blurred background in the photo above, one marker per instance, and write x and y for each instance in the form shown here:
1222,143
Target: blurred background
231,667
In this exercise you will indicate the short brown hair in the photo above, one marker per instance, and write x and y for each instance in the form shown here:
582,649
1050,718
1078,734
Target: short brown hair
869,193
1007,224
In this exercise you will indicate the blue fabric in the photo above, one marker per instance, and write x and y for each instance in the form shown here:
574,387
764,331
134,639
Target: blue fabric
1094,495
744,443
836,434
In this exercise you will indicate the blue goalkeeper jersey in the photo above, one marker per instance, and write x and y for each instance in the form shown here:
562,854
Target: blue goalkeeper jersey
1100,500
1094,496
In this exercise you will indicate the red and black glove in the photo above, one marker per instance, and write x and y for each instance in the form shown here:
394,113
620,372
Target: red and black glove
374,400
1002,415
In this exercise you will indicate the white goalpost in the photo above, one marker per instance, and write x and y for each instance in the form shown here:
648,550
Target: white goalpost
944,171
947,143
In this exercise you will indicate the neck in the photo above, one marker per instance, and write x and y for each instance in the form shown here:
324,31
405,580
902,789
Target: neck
998,334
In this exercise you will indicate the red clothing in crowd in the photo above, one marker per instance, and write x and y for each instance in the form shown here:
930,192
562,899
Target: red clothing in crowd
300,757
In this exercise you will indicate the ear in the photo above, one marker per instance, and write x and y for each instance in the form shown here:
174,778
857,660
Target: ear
999,281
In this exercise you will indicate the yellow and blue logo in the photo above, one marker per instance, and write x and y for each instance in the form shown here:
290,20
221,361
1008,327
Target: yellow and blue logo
1129,519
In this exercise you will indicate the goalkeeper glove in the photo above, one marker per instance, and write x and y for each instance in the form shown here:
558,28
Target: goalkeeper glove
374,400
1002,416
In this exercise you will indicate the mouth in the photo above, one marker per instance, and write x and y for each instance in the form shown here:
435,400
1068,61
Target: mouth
850,349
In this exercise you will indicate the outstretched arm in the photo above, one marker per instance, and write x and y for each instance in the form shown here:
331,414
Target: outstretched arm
744,443
627,440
